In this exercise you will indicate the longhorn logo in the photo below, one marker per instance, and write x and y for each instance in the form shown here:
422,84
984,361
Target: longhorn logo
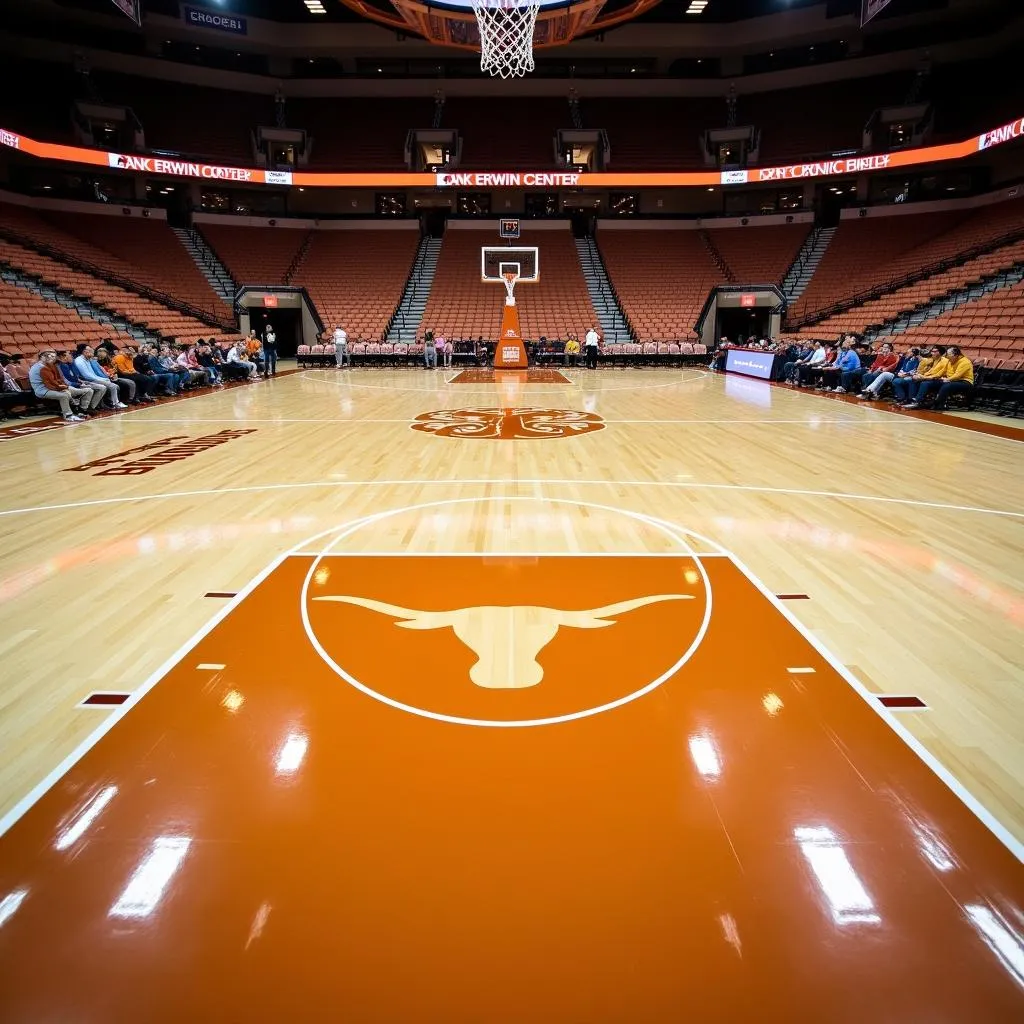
506,640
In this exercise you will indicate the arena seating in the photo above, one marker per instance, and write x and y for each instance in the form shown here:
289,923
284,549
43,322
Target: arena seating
786,138
168,323
760,255
462,306
254,255
222,133
520,139
662,279
144,251
862,252
355,133
150,249
848,268
989,328
877,311
28,322
654,134
355,278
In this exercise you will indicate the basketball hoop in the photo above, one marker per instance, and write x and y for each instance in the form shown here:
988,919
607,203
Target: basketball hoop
506,36
510,277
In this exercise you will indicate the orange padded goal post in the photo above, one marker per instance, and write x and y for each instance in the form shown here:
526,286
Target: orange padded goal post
510,266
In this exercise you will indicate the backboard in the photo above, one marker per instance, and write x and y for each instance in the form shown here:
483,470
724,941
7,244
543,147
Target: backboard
497,260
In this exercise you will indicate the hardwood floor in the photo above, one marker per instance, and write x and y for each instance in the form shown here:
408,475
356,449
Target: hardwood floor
905,535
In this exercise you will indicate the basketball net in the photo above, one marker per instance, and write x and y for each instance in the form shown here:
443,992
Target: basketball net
510,288
506,35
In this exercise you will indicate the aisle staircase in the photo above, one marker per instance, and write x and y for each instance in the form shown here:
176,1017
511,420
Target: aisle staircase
82,306
614,328
209,265
1004,278
717,258
806,263
405,324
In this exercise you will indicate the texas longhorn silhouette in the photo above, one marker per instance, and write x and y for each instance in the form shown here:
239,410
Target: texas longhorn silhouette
506,639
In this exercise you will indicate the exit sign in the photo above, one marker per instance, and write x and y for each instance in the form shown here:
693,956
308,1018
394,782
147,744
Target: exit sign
746,301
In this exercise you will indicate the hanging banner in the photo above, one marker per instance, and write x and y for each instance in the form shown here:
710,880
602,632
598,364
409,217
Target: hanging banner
200,17
130,8
169,167
869,8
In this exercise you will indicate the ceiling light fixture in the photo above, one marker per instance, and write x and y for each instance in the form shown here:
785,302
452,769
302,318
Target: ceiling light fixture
696,6
315,6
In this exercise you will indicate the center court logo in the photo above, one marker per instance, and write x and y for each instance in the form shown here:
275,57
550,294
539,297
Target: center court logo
508,424
517,641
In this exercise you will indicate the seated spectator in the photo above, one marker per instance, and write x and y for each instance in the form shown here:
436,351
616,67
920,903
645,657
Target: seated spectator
807,369
932,368
846,361
797,355
957,379
125,386
254,352
198,377
212,363
12,396
906,366
74,379
182,378
850,380
145,383
236,357
50,385
92,374
147,363
572,352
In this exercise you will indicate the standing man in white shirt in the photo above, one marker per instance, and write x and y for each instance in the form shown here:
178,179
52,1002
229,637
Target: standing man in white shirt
590,341
341,356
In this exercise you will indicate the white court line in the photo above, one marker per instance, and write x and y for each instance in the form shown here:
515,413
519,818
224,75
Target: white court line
966,797
983,815
671,530
117,713
509,554
207,667
498,482
345,422
575,384
801,671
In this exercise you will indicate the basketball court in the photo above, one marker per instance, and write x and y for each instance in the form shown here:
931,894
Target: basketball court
512,693
578,713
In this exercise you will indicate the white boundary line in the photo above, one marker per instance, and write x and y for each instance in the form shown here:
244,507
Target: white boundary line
509,554
53,777
499,482
675,532
871,699
118,712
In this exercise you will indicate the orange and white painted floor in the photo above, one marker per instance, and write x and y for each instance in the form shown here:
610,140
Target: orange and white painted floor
389,781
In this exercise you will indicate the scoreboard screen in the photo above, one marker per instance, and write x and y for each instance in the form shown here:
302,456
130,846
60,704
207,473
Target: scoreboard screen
508,228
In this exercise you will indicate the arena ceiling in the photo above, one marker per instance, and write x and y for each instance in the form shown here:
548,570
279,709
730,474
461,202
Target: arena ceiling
666,12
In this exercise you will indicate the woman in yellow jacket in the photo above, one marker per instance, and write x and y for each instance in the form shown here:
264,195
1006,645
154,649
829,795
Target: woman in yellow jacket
931,367
958,376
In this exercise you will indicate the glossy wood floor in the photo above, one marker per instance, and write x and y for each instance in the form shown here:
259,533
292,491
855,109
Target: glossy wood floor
896,541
